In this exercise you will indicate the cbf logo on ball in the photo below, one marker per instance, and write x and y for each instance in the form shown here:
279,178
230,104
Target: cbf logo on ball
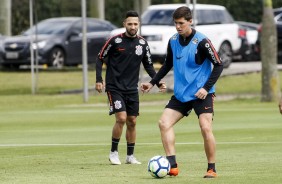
139,50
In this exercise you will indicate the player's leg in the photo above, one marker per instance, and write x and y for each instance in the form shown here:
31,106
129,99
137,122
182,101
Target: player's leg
131,139
118,126
168,119
117,107
132,110
205,121
204,110
174,111
116,134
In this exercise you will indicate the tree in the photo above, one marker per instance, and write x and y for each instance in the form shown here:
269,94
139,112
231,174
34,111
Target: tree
5,17
270,80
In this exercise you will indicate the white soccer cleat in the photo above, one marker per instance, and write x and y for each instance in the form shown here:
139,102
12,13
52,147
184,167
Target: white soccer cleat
130,159
114,159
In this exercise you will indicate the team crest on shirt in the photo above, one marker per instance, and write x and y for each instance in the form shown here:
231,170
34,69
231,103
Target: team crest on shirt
117,104
141,41
118,40
174,37
139,50
195,41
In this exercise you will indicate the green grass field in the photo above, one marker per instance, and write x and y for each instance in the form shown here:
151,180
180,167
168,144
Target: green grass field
62,141
50,138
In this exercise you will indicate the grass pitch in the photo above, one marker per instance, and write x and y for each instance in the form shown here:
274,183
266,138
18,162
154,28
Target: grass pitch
57,140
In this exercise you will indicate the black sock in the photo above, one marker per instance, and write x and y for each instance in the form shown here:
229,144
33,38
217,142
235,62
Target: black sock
114,144
211,166
172,161
130,148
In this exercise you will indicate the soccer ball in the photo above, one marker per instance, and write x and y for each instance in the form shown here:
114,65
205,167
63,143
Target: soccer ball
158,166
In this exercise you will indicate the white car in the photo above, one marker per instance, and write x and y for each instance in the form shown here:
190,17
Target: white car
212,20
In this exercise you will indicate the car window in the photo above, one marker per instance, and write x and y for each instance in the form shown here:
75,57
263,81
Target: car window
77,27
95,26
92,26
49,27
224,16
157,17
279,18
205,17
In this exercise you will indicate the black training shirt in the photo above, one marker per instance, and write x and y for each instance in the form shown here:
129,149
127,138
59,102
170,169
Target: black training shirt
123,56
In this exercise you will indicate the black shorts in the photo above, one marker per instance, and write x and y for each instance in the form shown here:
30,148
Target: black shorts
123,102
199,106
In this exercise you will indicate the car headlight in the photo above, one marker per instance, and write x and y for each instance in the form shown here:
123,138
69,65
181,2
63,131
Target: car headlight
153,37
39,45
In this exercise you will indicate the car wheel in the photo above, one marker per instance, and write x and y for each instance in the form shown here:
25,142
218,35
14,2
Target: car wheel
225,53
57,58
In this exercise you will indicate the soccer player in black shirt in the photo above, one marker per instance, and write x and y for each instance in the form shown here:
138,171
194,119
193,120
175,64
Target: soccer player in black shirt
124,53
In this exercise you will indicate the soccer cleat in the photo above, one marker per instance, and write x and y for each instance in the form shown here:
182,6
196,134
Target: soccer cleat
173,171
130,159
210,174
114,159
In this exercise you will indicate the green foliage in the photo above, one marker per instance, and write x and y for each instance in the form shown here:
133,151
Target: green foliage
116,13
167,1
243,10
20,16
267,3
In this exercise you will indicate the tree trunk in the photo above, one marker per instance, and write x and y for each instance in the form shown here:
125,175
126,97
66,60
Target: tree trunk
5,17
270,79
97,9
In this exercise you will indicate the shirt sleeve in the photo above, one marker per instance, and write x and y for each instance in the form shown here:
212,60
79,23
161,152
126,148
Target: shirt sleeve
100,59
166,67
206,50
147,62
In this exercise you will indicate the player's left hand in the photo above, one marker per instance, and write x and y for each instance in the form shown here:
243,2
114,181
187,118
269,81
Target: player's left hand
162,87
201,94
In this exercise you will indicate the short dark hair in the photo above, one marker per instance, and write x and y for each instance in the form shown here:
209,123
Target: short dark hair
184,12
131,13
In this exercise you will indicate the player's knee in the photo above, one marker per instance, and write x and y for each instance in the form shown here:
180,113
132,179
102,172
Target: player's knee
131,122
163,125
206,129
121,120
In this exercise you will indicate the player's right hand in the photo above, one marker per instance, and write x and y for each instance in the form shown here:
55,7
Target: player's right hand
145,87
99,87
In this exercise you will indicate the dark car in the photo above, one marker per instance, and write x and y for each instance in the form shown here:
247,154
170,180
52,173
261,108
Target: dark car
248,32
58,42
278,21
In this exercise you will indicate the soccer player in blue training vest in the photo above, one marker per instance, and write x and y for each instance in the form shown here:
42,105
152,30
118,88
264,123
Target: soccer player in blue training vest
124,53
191,54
